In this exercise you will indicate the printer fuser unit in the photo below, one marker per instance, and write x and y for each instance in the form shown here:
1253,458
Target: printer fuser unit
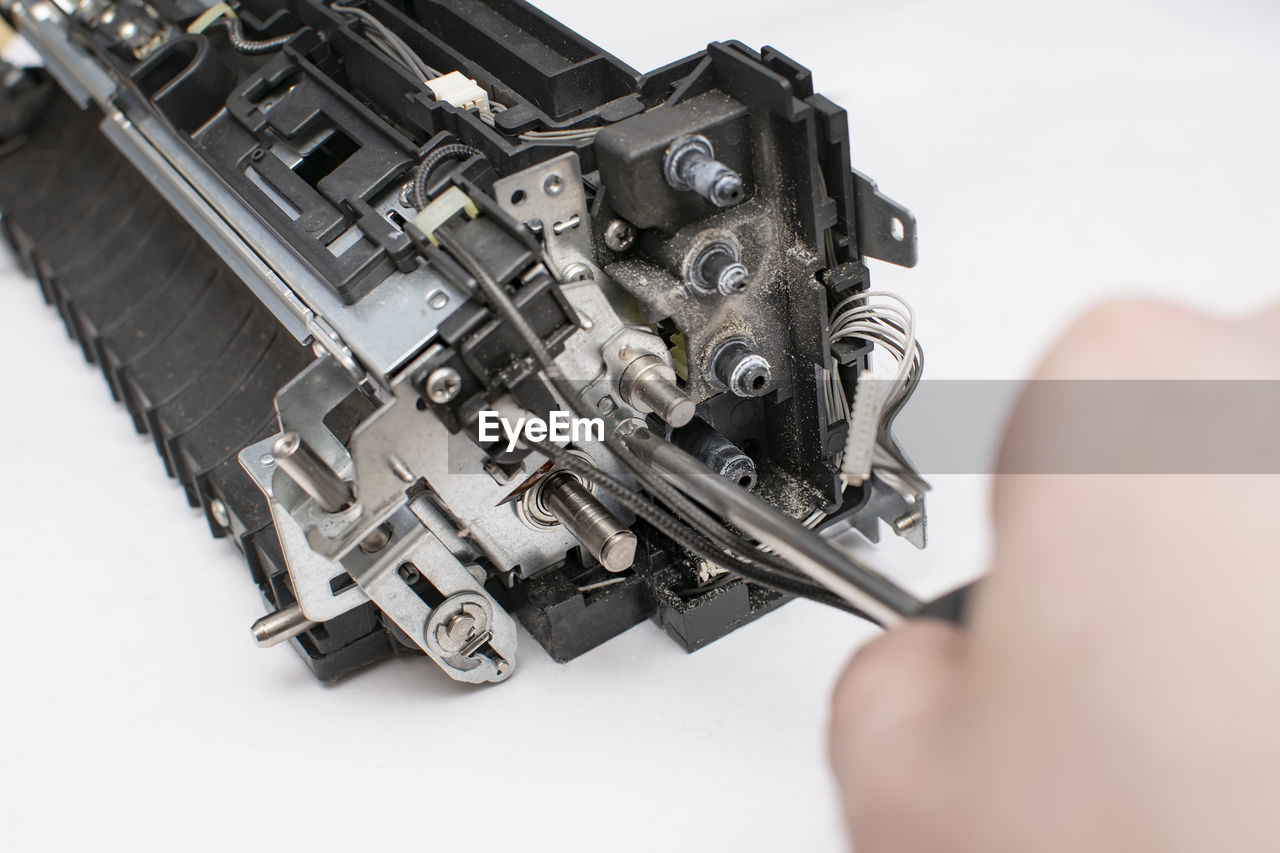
394,285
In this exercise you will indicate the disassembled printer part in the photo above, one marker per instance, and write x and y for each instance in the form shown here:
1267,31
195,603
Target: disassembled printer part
418,297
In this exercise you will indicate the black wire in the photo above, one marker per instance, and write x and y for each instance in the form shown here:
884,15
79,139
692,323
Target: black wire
700,520
453,151
246,45
687,538
747,558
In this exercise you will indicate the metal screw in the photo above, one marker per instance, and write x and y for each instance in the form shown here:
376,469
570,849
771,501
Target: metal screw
553,185
218,510
577,272
619,236
443,385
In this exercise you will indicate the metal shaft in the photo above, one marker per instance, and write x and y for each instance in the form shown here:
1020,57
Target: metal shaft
311,473
608,540
716,452
281,626
649,384
691,165
740,367
862,587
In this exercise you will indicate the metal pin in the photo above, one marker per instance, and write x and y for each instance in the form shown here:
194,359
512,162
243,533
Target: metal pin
649,384
691,165
591,524
281,626
311,473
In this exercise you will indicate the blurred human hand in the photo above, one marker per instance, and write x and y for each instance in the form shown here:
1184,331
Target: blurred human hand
1117,687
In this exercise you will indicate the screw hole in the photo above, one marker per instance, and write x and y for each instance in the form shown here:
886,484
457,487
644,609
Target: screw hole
744,481
757,383
897,230
518,197
421,404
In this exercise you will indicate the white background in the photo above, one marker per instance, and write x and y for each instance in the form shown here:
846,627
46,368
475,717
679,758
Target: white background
1055,154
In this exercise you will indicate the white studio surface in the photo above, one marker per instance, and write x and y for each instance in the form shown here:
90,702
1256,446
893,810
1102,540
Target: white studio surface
1055,154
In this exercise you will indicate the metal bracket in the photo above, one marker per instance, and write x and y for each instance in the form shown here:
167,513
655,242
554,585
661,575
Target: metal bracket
377,578
314,577
44,25
549,199
592,358
886,229
301,406
413,549
905,514
387,465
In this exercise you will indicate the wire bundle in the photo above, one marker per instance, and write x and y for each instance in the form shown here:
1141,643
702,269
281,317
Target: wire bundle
571,134
385,40
399,52
887,321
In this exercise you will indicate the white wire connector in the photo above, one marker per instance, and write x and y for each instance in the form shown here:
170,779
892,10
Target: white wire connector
887,321
459,90
864,430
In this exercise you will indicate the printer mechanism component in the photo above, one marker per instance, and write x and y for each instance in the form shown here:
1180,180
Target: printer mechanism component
407,292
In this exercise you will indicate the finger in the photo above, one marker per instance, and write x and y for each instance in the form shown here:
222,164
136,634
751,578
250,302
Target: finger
885,734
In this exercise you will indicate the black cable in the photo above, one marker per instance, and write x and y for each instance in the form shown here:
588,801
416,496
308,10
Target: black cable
687,538
652,482
452,151
701,521
246,45
748,557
